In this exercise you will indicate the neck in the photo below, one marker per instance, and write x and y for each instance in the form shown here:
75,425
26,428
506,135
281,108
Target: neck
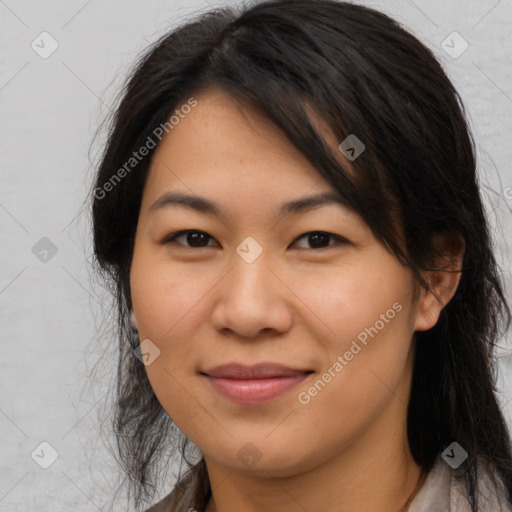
375,473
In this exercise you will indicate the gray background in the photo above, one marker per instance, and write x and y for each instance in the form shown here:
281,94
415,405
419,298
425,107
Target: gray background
53,317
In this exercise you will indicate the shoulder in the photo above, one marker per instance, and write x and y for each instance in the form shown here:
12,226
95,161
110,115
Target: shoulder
445,490
188,495
165,505
174,502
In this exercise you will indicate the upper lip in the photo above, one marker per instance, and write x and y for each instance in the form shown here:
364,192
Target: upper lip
258,371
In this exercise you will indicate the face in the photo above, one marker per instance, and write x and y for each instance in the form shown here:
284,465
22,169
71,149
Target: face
310,290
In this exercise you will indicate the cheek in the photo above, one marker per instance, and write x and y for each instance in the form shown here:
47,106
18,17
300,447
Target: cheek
360,302
167,305
165,298
368,312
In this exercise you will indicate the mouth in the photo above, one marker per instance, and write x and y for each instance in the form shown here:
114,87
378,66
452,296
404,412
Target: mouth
254,385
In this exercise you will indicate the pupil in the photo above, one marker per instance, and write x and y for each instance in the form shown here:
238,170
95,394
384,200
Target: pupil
195,236
315,239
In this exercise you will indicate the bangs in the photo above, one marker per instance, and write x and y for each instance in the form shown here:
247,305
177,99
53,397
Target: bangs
319,117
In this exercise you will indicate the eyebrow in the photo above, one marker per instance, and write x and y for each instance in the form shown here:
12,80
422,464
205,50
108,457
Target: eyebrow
203,205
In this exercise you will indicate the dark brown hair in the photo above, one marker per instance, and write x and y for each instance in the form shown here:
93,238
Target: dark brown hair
365,75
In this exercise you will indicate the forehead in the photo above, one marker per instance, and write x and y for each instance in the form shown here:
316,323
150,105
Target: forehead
222,144
232,155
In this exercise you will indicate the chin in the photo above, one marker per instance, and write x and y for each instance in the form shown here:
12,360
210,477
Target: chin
266,459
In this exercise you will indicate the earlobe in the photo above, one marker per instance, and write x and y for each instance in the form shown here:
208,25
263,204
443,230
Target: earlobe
442,282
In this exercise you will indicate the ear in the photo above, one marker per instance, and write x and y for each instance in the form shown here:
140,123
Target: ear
442,283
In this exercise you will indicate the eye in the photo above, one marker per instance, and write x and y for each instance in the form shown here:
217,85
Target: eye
194,237
198,239
320,239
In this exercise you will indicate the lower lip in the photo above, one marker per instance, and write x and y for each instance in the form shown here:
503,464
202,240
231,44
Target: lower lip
255,391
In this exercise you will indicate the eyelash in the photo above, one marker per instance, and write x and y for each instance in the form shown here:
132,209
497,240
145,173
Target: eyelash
172,237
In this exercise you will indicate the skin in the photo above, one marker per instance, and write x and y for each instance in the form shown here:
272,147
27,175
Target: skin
345,450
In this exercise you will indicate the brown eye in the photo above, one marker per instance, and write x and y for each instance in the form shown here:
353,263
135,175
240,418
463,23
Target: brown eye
194,238
320,239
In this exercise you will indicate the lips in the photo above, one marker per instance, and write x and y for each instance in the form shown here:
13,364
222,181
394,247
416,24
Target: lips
259,371
254,385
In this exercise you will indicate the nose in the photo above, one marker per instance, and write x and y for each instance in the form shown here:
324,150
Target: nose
252,300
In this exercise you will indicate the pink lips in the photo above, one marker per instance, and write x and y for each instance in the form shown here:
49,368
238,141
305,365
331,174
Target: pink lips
253,385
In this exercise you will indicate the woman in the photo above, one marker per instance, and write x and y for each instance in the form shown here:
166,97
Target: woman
288,210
